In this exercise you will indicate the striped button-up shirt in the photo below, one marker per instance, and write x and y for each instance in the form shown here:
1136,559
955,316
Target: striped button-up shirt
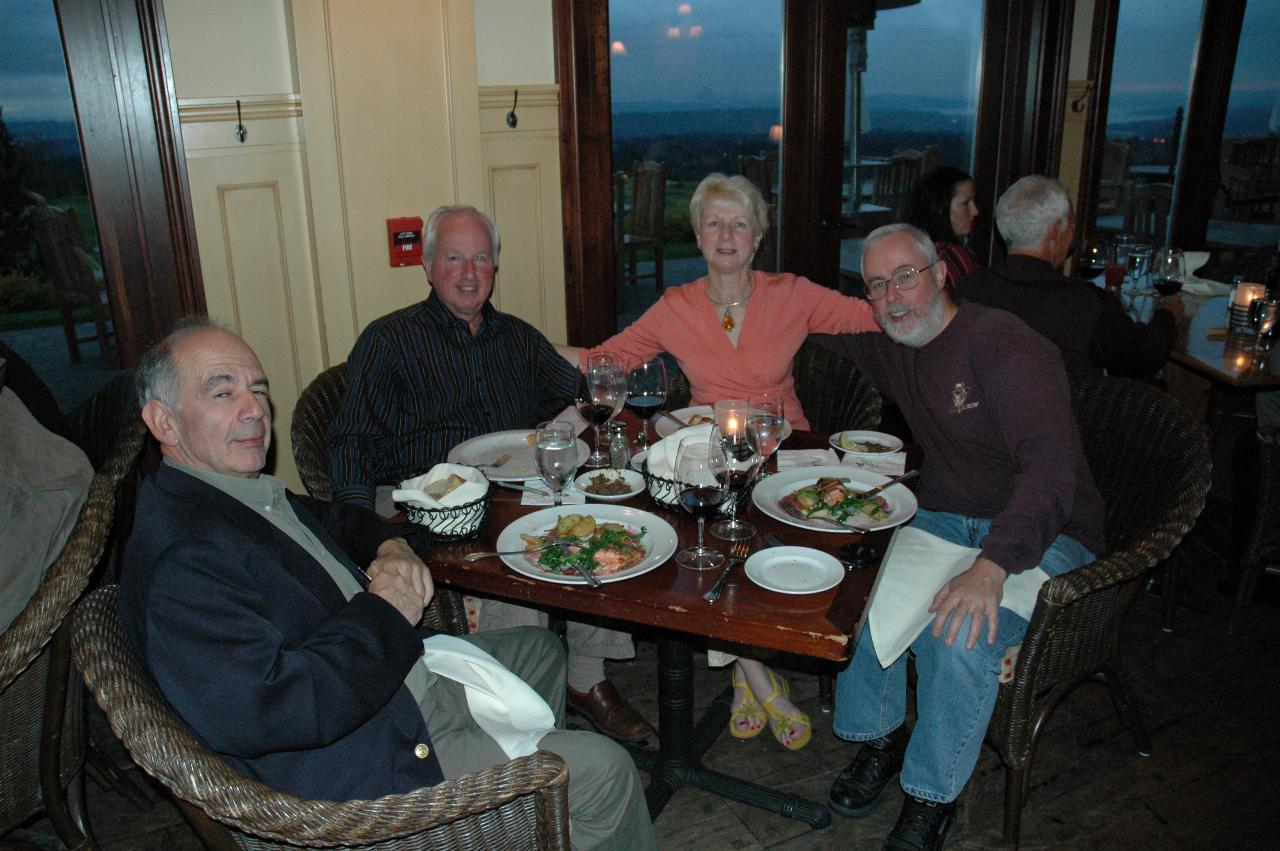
419,383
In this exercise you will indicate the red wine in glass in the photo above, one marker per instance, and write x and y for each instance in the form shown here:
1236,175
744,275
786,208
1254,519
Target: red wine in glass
701,501
595,414
1167,286
644,406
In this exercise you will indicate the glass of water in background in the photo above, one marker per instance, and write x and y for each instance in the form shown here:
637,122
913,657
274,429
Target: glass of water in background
556,451
766,421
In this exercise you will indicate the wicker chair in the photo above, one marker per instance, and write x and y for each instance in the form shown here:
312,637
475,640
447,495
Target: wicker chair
310,428
95,426
521,804
835,395
1150,460
42,729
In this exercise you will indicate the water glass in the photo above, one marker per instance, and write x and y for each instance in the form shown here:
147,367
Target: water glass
606,393
766,423
556,451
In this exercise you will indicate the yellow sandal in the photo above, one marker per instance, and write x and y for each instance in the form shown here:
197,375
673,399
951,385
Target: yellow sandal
748,711
780,722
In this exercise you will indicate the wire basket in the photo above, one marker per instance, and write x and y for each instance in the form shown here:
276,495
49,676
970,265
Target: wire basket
666,492
453,523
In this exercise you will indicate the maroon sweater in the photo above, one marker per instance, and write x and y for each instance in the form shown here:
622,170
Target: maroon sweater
988,403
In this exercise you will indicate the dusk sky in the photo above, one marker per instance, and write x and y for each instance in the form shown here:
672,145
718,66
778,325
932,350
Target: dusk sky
734,59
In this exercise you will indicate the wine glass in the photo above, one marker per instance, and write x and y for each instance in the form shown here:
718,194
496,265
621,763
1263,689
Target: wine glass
1094,254
1167,270
769,412
1262,318
699,464
742,459
556,451
606,393
1138,264
646,391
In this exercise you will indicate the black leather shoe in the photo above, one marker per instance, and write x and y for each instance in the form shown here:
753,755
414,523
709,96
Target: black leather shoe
921,825
858,789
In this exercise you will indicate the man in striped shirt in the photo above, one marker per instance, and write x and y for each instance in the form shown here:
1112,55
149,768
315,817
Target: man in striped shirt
425,378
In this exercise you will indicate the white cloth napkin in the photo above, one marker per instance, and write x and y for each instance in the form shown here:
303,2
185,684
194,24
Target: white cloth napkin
916,564
571,415
889,463
569,496
662,455
414,491
789,458
502,704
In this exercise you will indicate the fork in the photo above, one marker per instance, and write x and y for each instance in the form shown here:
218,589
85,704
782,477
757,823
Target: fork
835,524
737,555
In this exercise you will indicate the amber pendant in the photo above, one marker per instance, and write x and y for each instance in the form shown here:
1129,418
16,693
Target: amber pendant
727,322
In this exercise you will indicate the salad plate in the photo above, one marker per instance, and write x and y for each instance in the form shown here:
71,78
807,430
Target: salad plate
520,466
900,502
794,570
867,443
658,538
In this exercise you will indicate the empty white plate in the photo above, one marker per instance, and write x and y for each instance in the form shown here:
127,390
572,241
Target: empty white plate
794,570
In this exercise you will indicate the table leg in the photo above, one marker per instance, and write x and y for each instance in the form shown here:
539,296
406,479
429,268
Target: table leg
681,745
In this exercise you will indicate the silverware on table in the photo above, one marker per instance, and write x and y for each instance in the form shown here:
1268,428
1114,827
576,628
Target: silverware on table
772,539
516,486
588,574
799,514
471,557
737,555
681,423
910,474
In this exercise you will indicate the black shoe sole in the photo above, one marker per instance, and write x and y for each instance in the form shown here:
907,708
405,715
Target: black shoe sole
864,811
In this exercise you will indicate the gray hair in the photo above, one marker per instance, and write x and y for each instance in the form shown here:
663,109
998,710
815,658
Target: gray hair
921,239
431,236
156,375
736,190
1029,207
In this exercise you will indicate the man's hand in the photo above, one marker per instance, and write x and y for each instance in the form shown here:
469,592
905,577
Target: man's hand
975,592
398,576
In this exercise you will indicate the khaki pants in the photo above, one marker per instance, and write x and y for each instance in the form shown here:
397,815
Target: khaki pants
606,801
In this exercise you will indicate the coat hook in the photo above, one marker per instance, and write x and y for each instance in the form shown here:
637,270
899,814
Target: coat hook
240,131
1078,104
511,116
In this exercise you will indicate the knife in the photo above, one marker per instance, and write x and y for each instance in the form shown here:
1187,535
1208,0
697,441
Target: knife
681,423
910,474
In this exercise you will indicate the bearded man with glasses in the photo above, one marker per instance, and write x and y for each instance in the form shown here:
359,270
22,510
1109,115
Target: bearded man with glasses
988,402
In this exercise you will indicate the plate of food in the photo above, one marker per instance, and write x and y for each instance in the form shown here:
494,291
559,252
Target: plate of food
610,485
616,542
505,456
697,415
865,442
794,570
832,491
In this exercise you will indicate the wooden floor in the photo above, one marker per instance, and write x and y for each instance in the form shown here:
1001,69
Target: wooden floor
1209,701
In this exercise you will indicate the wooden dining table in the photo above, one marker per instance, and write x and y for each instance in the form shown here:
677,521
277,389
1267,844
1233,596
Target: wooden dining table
666,604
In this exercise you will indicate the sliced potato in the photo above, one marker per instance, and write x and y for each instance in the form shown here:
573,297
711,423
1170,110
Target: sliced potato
585,527
566,524
612,527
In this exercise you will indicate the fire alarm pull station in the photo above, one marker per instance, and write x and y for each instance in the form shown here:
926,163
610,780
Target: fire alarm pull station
405,238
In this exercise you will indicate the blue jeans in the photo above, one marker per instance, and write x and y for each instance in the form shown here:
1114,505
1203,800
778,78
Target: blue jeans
955,688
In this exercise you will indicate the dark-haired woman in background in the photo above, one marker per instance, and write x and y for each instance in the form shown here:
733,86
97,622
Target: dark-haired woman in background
942,206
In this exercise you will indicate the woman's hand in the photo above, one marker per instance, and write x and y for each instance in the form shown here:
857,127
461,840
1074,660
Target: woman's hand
975,592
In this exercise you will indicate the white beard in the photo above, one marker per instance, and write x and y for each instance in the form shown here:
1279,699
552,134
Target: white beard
929,320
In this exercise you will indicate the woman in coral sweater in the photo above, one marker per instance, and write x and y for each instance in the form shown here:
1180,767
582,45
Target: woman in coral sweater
735,334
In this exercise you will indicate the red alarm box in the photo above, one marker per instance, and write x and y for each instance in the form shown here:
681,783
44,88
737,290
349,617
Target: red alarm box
404,237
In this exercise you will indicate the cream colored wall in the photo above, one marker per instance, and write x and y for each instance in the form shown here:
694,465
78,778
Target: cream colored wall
356,112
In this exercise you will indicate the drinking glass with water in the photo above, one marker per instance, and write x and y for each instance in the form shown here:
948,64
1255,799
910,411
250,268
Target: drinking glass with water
556,452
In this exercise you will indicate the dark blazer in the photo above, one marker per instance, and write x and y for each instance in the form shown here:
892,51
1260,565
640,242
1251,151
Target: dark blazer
253,645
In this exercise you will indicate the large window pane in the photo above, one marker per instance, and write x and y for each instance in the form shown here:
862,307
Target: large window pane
696,87
1246,208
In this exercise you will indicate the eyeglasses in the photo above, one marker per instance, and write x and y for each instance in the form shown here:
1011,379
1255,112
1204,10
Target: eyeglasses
904,279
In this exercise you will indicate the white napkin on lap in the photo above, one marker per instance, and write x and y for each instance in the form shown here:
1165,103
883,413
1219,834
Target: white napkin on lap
888,463
504,705
917,564
414,490
789,458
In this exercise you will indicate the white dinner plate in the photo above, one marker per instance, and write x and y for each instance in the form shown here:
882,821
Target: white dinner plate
659,539
487,448
665,428
635,484
879,437
770,491
794,570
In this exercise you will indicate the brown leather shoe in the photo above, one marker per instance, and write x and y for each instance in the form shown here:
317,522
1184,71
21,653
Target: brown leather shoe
609,713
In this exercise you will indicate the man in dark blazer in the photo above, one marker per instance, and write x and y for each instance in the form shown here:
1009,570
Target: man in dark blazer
245,603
